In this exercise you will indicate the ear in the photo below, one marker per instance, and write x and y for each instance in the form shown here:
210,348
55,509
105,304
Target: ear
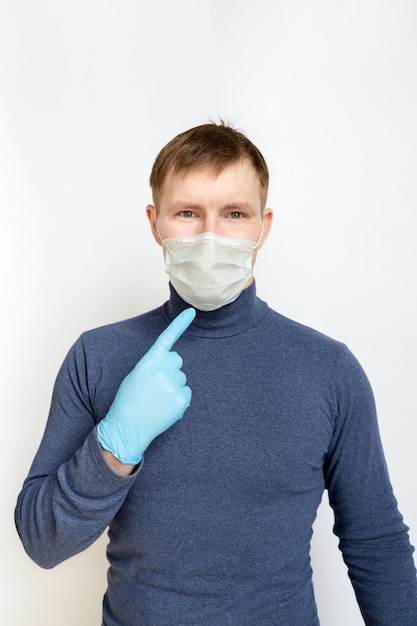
267,225
151,215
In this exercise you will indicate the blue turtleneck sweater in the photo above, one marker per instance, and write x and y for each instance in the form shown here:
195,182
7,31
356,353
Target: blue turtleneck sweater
214,526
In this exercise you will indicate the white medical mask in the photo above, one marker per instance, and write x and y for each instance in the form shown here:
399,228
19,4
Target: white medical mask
209,271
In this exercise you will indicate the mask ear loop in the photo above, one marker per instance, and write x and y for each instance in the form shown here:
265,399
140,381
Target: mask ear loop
157,229
260,236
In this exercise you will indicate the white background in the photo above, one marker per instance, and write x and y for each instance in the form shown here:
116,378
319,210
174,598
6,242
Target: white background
89,92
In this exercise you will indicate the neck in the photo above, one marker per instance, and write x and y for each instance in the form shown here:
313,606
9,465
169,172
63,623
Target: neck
246,311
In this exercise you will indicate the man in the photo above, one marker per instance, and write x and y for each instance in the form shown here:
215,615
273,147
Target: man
210,516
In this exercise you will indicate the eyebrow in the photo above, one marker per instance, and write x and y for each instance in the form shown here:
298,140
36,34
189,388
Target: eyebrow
229,206
238,205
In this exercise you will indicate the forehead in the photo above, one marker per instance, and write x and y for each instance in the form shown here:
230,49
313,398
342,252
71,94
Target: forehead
238,182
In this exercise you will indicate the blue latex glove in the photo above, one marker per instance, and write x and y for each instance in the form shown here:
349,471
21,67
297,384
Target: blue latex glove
151,398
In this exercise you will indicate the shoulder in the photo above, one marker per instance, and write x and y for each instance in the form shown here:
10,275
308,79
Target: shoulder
120,343
300,335
140,326
303,343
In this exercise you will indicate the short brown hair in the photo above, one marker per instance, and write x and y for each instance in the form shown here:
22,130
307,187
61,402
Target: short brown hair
210,145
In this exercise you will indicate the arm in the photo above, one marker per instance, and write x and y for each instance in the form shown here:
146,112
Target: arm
71,494
373,537
83,472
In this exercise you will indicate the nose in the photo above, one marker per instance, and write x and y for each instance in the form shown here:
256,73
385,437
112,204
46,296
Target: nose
210,224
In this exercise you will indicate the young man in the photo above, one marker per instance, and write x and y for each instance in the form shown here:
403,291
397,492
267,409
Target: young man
210,516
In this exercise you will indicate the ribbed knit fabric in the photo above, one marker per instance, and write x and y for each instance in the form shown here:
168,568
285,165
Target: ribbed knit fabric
214,527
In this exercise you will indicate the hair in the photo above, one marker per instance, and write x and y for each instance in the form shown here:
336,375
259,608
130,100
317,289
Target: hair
211,145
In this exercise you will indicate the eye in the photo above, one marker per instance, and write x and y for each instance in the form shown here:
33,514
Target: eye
236,215
186,213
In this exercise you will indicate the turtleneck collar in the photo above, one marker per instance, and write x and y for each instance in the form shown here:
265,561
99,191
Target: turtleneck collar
234,318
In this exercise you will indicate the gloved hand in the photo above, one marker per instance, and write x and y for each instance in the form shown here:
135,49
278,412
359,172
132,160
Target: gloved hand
151,398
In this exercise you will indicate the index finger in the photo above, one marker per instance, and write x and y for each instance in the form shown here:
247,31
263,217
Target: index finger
176,328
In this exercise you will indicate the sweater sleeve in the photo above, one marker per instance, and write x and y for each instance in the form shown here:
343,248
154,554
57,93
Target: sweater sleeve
71,494
373,537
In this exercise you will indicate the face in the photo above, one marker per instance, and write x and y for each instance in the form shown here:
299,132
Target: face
228,204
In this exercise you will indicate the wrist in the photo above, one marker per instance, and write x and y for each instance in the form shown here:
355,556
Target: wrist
123,469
